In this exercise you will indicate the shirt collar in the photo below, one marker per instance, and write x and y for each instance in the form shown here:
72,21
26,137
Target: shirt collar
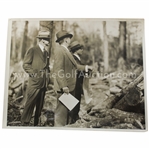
77,56
41,47
65,47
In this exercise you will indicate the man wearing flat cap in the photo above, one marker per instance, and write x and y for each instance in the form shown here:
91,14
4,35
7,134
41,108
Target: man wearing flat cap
65,68
36,64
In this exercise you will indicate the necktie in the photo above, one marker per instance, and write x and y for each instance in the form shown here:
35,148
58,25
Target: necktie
44,54
46,57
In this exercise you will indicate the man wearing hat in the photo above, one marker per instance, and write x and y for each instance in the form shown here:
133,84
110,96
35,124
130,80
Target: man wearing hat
36,64
77,49
65,68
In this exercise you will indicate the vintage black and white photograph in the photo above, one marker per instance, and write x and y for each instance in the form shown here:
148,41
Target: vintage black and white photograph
75,73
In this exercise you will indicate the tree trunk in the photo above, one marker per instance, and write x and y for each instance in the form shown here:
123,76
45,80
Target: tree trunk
122,40
24,40
13,51
53,39
47,25
63,25
128,47
105,47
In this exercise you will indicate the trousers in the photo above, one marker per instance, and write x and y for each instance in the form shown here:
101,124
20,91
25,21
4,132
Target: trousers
35,98
62,115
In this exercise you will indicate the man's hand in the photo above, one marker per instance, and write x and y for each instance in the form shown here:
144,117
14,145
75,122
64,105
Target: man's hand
90,67
66,90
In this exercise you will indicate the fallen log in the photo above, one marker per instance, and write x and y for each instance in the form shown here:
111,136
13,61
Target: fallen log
115,90
133,97
133,105
14,123
20,94
120,126
98,123
119,114
112,100
112,123
112,117
87,117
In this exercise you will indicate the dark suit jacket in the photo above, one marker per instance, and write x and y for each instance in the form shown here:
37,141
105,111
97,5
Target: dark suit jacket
65,69
35,65
80,76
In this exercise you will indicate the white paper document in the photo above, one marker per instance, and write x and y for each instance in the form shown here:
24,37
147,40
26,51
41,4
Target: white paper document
69,101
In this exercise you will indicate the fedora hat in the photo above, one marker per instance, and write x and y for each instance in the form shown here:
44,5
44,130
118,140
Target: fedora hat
43,34
63,34
74,46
